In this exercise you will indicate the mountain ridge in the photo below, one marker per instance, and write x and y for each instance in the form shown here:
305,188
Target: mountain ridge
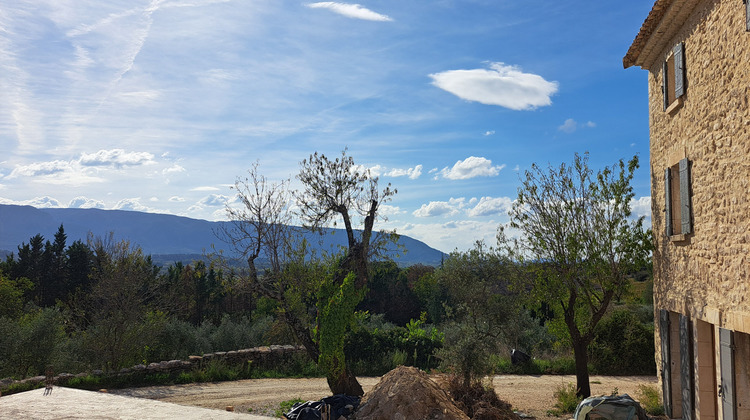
159,234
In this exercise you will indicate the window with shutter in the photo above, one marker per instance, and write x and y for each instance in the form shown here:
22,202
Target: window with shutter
673,77
666,371
677,199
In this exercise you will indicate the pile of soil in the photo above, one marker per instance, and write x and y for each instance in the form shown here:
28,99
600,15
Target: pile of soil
408,393
478,401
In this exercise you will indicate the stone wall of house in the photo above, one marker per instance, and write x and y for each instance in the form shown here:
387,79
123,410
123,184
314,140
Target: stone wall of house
706,274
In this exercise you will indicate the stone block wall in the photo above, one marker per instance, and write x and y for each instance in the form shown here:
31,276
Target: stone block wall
706,275
260,357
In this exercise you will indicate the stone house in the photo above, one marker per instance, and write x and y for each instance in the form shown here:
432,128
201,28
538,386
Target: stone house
697,53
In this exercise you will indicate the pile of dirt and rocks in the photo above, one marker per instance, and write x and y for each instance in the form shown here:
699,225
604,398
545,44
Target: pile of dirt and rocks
408,393
479,401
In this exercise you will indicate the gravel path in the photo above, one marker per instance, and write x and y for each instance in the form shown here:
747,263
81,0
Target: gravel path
530,394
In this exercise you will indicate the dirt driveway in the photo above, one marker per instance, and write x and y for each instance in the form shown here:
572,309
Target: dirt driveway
532,395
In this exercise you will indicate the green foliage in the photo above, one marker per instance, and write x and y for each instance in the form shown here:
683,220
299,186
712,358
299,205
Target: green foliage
285,406
577,244
566,400
30,343
467,352
623,345
337,304
374,347
483,311
648,396
12,295
553,366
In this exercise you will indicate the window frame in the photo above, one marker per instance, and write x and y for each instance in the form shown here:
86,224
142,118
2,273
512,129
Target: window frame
678,206
673,78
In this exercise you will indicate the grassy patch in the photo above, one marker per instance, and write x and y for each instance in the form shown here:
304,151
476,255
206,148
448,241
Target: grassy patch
648,396
567,400
285,406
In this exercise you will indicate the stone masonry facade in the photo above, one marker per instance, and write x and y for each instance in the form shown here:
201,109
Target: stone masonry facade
702,268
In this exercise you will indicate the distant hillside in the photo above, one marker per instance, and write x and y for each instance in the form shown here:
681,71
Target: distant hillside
167,238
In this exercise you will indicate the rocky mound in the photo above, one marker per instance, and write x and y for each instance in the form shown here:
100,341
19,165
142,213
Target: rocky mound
408,393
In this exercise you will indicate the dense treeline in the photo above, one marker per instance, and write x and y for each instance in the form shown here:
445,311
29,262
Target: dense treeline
103,304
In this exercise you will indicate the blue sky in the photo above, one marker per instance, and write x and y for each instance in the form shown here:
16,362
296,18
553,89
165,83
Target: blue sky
160,105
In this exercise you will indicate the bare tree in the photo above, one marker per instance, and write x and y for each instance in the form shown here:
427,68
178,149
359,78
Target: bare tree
336,189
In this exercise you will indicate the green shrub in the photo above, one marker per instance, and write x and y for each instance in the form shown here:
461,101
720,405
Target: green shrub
553,366
623,345
373,351
567,400
648,396
285,406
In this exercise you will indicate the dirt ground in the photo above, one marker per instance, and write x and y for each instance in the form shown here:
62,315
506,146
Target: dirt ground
532,395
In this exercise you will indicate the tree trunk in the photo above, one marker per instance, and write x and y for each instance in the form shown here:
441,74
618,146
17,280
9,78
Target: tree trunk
346,384
580,352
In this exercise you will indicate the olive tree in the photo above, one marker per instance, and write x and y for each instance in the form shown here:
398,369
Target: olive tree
332,191
572,229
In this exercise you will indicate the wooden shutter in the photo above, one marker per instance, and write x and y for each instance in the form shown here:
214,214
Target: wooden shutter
685,207
666,371
664,84
679,69
668,200
686,367
726,389
747,15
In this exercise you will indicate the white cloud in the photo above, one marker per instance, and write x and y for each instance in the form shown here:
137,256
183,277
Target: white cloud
570,125
501,85
213,200
441,208
85,203
471,167
176,199
641,206
388,210
173,169
412,173
489,132
452,235
117,158
204,189
489,206
133,204
38,202
354,11
41,169
436,208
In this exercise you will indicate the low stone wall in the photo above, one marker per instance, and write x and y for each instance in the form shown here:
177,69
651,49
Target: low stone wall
260,357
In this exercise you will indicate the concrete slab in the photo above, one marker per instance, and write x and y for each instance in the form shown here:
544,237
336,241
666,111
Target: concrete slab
69,403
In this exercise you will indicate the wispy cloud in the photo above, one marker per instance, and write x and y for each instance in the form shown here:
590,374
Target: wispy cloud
571,126
412,173
501,85
488,206
205,188
471,167
117,158
354,11
41,169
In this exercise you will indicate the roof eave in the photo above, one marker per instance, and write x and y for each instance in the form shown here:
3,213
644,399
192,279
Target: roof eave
661,24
